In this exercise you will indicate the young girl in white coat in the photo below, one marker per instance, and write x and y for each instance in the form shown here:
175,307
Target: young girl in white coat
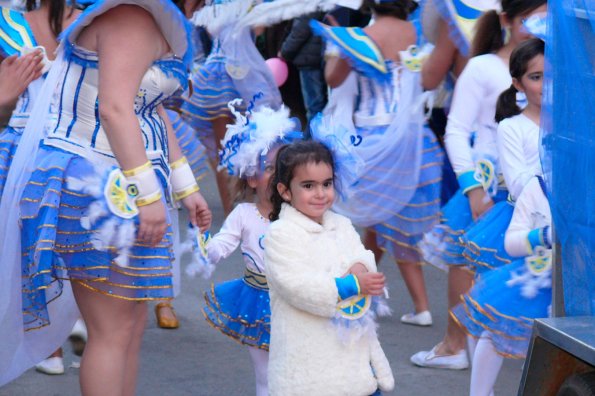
240,308
323,339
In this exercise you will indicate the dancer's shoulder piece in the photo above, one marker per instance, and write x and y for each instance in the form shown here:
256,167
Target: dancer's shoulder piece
461,16
174,26
357,47
15,32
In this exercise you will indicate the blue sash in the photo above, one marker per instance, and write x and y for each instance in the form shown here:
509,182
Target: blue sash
363,54
15,32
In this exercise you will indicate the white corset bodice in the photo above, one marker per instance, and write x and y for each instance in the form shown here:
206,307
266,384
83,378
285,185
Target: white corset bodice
78,127
376,102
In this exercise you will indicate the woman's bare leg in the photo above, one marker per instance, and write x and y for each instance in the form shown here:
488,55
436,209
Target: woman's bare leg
459,283
413,276
371,243
132,362
114,329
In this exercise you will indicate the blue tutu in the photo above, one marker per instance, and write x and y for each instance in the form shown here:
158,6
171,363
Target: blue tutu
191,146
56,247
9,140
241,309
499,305
484,241
443,246
401,233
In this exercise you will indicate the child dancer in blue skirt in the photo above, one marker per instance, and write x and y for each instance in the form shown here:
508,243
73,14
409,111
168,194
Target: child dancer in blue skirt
500,308
240,308
472,148
518,153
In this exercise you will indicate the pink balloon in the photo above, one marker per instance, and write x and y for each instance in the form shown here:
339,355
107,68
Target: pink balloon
278,69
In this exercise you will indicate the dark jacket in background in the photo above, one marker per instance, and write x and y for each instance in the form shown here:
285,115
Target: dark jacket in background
301,47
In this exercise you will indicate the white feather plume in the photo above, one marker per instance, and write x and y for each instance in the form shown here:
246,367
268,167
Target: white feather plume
215,17
266,126
111,232
270,13
200,263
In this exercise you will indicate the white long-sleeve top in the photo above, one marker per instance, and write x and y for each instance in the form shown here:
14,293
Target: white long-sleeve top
307,355
531,214
518,151
473,110
246,226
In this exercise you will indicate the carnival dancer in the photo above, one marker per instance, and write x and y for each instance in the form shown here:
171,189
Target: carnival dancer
322,279
240,308
518,153
233,69
500,308
518,130
479,174
91,197
508,330
376,100
449,26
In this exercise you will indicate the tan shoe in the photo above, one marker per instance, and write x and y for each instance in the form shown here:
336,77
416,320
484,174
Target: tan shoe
166,321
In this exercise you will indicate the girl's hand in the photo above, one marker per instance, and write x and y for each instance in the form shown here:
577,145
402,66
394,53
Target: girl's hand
356,269
371,283
198,211
16,73
479,201
153,223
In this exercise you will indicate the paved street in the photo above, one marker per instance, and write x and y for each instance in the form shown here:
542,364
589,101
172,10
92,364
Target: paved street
197,360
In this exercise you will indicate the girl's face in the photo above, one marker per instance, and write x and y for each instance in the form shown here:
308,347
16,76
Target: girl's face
517,30
260,183
531,83
311,191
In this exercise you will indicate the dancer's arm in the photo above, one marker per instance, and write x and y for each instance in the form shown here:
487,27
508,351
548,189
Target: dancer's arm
517,172
524,234
467,99
128,41
441,60
198,211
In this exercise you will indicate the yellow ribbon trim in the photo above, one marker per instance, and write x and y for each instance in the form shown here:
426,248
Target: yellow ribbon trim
19,28
179,163
149,199
179,195
138,170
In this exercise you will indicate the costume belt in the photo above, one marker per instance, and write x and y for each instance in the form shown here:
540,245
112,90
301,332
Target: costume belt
255,279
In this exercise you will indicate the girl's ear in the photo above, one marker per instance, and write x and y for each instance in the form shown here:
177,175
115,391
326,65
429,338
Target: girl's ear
517,84
504,21
252,181
284,192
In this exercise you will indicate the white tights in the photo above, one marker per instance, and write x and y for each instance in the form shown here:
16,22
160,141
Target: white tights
260,360
485,367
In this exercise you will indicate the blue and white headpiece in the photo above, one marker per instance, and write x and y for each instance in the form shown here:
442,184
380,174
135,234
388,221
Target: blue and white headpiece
252,136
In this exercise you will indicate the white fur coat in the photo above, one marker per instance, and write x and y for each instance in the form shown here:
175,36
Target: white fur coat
307,356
